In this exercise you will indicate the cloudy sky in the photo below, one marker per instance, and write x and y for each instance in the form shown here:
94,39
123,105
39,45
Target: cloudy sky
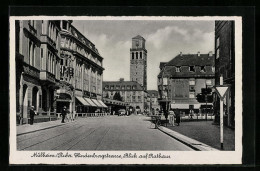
164,40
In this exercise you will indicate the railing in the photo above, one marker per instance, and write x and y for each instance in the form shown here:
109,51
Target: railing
84,115
30,70
47,76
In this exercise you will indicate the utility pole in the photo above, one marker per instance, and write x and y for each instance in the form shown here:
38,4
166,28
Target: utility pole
206,99
221,115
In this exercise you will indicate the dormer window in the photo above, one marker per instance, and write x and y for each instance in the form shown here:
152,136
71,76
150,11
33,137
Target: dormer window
202,69
192,69
178,69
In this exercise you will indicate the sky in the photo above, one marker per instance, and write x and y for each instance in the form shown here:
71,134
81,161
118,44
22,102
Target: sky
165,39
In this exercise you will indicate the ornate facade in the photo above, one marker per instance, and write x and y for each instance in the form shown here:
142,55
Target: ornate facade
56,66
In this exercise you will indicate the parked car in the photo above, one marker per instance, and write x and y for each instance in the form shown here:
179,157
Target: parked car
121,112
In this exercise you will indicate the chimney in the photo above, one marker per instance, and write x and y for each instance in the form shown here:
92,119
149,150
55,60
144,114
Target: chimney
198,53
180,53
121,79
210,53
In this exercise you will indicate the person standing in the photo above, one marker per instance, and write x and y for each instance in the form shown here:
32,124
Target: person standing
178,117
63,114
32,113
172,116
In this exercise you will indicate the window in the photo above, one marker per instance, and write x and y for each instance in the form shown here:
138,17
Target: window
165,81
213,69
192,95
111,87
123,87
134,87
117,87
133,55
64,25
191,82
208,82
141,55
178,69
128,87
202,69
136,55
192,69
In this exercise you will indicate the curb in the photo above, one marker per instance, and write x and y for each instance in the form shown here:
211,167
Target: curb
42,129
194,144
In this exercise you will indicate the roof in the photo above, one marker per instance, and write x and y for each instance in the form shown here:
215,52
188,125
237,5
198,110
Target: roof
138,37
185,61
192,60
162,64
123,83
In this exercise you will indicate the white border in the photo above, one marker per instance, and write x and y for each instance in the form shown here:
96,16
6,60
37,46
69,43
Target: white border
177,157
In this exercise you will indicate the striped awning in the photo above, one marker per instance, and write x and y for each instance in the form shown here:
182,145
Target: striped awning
90,102
97,103
103,104
82,101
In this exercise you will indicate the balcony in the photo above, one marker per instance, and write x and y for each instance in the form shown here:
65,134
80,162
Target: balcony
31,71
47,76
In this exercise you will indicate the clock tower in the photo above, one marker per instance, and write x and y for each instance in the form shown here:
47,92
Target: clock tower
138,61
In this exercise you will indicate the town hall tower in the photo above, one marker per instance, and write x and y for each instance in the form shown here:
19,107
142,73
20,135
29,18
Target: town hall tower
138,61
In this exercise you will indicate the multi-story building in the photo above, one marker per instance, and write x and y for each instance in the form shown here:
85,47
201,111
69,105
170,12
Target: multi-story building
182,78
37,71
225,66
138,61
56,66
130,91
153,95
81,72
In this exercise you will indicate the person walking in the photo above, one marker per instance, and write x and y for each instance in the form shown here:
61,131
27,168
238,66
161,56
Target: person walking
32,113
178,117
172,116
63,113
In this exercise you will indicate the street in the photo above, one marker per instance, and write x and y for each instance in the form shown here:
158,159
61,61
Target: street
109,133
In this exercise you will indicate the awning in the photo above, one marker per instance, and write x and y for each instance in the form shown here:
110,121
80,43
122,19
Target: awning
82,101
180,106
90,102
103,104
97,103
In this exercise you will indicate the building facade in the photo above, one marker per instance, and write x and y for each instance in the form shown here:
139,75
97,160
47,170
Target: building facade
154,104
131,92
225,66
138,61
56,66
182,78
37,71
81,72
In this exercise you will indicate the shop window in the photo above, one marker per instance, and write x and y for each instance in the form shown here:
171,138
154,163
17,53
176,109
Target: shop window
191,82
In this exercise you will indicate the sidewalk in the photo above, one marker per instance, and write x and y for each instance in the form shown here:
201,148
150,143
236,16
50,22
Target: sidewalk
205,132
27,128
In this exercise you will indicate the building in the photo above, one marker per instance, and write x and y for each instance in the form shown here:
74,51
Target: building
138,61
225,66
37,67
182,78
81,73
153,95
131,92
56,66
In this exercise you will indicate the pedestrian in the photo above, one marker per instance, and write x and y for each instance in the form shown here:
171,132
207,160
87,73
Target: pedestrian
32,113
172,115
63,113
178,117
191,114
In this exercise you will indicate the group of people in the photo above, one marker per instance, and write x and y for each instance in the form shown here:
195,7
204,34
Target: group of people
64,113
